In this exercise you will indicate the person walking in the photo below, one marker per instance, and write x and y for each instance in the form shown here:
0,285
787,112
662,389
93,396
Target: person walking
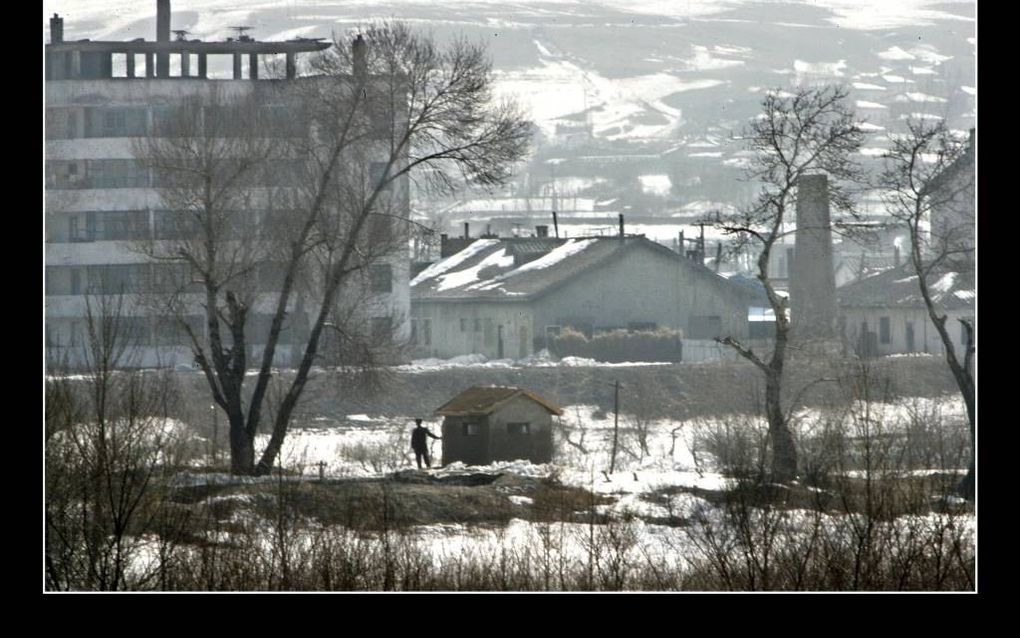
419,443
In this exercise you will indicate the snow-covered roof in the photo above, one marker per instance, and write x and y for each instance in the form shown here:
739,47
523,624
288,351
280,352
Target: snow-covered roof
950,288
520,268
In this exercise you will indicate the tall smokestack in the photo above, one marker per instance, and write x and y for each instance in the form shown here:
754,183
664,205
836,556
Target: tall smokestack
812,279
360,51
56,29
621,225
163,37
467,230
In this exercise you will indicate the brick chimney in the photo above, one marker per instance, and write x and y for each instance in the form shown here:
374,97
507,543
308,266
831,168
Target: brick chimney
57,30
163,37
812,279
360,50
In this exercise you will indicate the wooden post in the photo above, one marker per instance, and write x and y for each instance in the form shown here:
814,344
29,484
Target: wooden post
616,423
291,66
322,471
215,438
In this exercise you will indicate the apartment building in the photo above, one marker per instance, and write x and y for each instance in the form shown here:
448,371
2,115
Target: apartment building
101,203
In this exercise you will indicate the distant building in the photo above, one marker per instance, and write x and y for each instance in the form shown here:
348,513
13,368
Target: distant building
885,314
501,297
486,424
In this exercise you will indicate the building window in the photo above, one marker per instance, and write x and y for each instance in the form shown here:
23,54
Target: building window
463,324
478,324
61,124
117,279
883,330
115,121
517,429
171,224
381,277
116,173
110,226
470,429
705,327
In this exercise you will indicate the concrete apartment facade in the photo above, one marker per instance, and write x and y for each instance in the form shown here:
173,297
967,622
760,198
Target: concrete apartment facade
101,203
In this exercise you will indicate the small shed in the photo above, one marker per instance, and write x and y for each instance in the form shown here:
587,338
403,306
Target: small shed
497,423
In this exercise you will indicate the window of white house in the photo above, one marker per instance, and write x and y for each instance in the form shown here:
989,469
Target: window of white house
471,429
518,428
883,329
463,324
478,324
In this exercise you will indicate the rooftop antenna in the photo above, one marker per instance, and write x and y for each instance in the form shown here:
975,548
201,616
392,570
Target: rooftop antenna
241,35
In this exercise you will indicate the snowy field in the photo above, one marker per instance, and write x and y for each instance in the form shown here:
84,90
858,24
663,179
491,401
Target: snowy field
651,489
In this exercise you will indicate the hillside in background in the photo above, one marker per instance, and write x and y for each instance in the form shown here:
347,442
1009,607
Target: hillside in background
665,85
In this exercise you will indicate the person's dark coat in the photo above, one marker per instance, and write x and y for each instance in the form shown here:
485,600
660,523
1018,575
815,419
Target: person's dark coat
419,442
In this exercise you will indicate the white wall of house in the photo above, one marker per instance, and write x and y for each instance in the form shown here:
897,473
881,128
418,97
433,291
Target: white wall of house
450,329
896,340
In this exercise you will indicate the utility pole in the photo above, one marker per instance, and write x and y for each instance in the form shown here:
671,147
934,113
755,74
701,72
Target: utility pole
215,438
616,423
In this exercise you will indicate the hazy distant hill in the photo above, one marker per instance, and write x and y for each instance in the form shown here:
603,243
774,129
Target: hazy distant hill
682,76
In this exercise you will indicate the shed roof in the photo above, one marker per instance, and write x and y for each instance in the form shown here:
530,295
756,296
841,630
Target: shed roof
482,400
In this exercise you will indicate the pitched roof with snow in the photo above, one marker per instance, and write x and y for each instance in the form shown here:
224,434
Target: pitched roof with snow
897,288
517,269
482,400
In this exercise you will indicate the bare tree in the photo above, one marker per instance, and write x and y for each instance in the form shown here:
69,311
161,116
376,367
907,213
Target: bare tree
333,189
110,449
811,131
926,173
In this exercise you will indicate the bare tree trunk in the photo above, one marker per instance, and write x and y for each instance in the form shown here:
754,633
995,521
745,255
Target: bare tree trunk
242,447
784,450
